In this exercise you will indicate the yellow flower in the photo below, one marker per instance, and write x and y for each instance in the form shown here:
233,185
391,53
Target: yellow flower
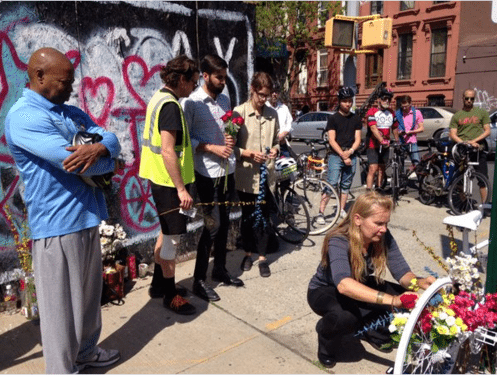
434,314
459,322
464,327
454,330
442,330
450,312
399,321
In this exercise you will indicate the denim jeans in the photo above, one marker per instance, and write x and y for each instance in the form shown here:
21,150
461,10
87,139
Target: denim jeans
338,171
414,154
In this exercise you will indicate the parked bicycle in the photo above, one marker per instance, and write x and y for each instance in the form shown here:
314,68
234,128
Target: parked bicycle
319,195
288,211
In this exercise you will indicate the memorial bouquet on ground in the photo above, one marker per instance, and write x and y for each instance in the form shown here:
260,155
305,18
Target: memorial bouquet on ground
111,240
231,126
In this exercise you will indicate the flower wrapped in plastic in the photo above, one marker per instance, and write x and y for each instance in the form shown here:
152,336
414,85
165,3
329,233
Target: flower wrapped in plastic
231,126
111,240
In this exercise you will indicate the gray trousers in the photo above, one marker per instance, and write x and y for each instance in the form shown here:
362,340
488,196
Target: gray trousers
68,278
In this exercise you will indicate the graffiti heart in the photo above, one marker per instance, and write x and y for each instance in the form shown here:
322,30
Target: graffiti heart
93,94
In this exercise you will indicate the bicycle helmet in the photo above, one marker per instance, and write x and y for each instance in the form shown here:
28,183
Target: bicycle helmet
345,92
459,150
286,168
101,181
385,92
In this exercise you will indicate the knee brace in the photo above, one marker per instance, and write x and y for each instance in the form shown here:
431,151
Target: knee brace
169,246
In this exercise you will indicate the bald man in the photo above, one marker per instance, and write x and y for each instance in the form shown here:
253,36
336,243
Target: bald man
471,125
63,211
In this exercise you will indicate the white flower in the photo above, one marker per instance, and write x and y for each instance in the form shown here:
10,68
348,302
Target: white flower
442,315
450,321
392,328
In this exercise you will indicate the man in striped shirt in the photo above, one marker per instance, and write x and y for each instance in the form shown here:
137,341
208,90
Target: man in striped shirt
214,164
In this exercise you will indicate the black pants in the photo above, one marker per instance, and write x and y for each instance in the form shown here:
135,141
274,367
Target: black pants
255,240
342,315
216,219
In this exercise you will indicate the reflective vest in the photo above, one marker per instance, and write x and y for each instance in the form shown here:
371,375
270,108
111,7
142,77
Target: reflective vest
151,163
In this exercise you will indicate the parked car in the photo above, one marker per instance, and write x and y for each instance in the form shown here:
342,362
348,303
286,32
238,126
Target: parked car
310,126
490,141
436,119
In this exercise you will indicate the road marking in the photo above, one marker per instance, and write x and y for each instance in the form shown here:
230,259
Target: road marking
274,325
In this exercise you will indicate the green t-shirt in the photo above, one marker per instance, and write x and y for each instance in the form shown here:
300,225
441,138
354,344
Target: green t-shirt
469,124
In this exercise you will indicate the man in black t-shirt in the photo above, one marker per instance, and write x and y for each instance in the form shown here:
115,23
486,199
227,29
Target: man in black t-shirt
344,136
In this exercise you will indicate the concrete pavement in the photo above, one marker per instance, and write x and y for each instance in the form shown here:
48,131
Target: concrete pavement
265,327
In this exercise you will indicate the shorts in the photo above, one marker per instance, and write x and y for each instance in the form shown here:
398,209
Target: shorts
166,198
375,157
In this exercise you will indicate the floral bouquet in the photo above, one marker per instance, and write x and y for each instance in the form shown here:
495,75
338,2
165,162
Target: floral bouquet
454,316
111,240
231,127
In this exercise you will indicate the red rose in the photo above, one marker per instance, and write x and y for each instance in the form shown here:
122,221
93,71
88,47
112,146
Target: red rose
225,118
426,327
409,300
22,285
238,120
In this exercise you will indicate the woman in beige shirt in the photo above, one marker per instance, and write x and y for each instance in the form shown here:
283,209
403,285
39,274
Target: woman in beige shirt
259,131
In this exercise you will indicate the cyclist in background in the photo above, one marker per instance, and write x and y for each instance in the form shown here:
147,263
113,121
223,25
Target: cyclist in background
471,125
344,136
380,121
410,124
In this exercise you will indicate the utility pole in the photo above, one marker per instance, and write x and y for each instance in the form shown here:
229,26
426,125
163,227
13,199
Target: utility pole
349,64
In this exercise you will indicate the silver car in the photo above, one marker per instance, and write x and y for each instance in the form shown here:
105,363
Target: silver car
311,126
436,119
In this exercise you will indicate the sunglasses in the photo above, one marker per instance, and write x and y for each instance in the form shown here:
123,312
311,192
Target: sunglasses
469,98
385,98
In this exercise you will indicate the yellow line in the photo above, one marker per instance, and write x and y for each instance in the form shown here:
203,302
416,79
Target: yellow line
278,323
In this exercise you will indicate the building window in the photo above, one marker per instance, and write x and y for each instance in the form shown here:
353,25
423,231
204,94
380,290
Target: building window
436,100
374,69
404,62
323,106
302,78
322,13
438,52
376,7
405,5
322,67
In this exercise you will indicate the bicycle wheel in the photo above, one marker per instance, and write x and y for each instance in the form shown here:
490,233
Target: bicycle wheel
431,185
464,192
311,190
292,222
415,354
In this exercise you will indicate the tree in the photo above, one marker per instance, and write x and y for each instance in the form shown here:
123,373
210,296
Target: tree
293,24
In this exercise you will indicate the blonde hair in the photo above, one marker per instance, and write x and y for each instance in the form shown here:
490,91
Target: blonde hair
366,205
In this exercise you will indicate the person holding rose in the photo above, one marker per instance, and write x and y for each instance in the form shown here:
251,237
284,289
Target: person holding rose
255,136
206,111
348,290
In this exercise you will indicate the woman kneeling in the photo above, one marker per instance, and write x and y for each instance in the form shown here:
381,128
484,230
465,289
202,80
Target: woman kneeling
348,289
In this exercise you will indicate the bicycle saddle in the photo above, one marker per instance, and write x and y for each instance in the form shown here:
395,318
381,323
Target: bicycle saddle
469,220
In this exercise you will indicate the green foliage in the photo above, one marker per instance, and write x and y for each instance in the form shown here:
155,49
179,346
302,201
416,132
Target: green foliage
292,24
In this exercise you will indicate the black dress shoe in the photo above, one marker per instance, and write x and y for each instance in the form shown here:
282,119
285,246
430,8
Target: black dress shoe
202,290
264,269
327,361
226,278
246,263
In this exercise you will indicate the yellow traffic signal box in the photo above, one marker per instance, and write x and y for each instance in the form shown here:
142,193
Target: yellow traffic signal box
377,33
339,33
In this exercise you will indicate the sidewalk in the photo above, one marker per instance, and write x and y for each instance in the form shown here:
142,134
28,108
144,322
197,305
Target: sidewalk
265,327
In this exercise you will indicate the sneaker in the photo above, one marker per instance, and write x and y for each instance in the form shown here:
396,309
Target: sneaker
343,214
103,358
179,305
264,269
246,263
320,219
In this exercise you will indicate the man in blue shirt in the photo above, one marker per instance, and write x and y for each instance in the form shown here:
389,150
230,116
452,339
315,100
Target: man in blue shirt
63,211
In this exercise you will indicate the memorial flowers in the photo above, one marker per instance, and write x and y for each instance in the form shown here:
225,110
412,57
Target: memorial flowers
111,240
231,126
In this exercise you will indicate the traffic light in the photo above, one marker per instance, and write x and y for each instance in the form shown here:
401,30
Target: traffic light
339,33
377,33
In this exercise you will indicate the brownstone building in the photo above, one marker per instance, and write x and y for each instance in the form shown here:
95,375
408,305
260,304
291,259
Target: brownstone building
439,48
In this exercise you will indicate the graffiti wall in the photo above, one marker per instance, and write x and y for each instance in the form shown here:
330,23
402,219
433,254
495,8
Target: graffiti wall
117,49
